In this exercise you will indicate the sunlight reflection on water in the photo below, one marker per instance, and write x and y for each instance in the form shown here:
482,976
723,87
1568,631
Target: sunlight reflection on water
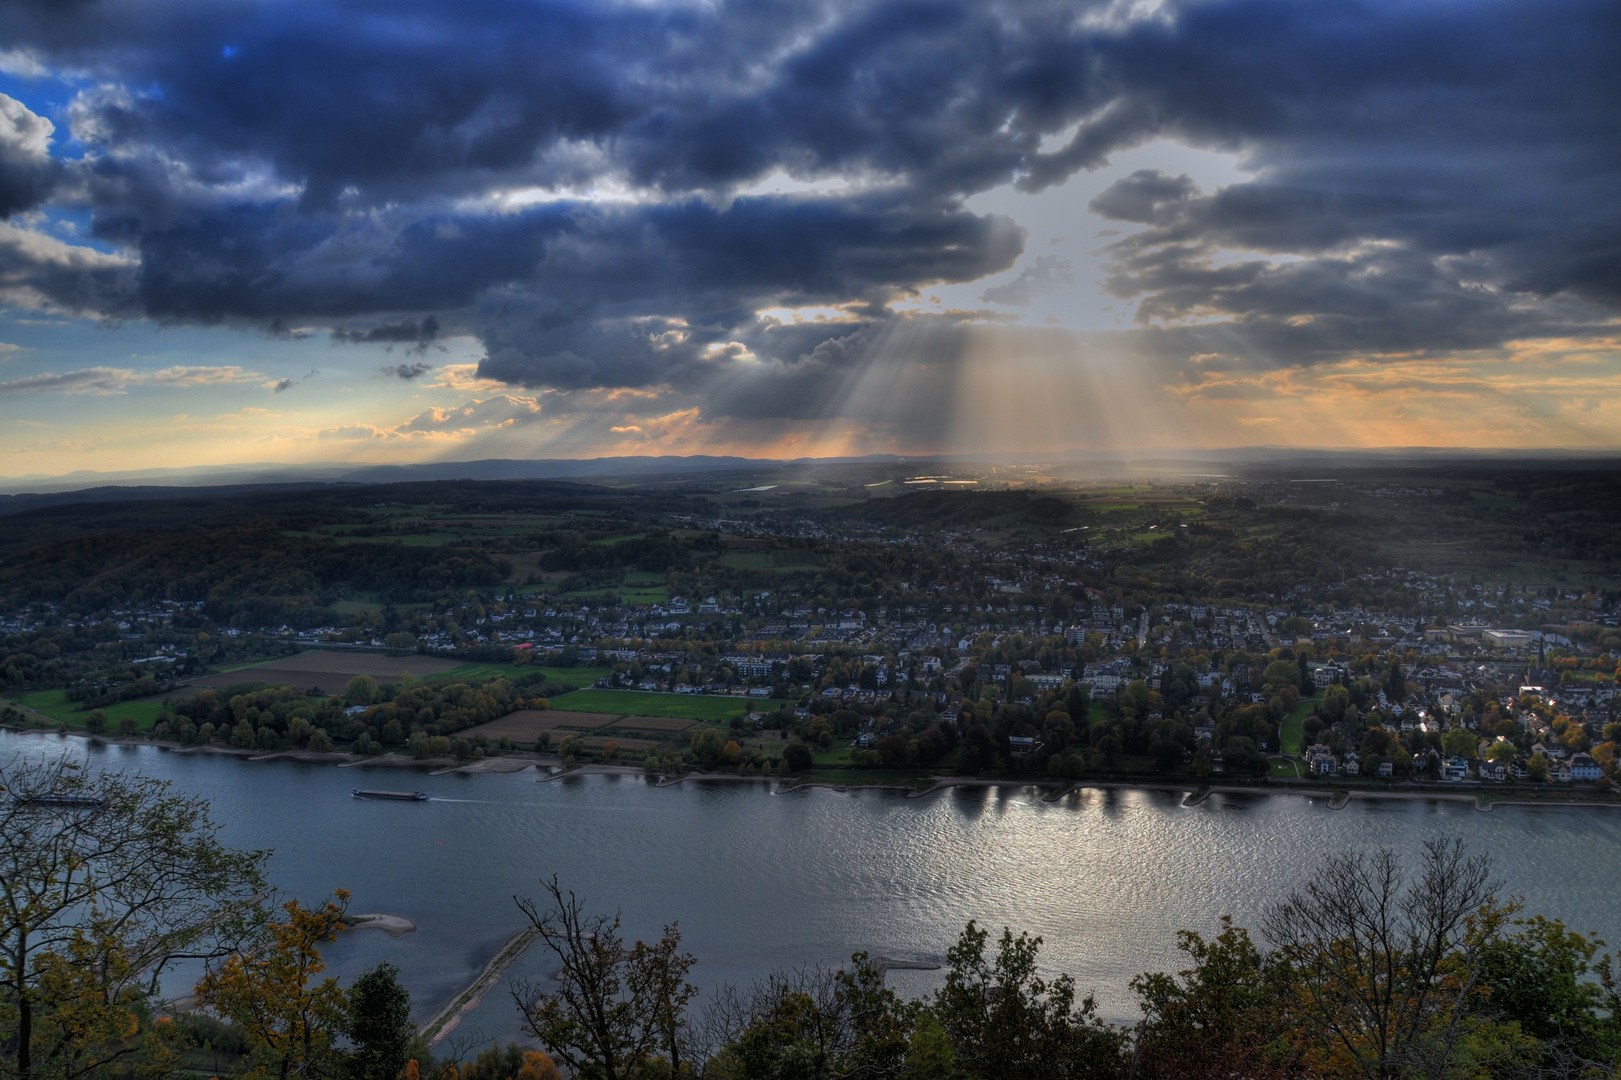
759,881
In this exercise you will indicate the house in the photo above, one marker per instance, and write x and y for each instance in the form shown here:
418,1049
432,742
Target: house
1493,770
1325,675
1583,767
1455,769
1022,745
1320,761
1386,767
1350,766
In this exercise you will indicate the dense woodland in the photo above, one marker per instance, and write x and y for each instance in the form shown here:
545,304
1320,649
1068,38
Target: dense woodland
279,557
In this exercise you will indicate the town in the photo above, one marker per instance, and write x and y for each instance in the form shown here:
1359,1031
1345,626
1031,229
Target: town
1234,632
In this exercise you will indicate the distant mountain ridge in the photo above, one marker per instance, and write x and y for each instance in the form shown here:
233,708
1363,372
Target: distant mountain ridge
85,486
485,469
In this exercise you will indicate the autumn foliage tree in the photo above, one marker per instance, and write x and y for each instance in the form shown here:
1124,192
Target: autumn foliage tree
291,1025
104,881
614,1011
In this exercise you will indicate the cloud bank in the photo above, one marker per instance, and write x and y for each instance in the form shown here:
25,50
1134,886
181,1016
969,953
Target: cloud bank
576,185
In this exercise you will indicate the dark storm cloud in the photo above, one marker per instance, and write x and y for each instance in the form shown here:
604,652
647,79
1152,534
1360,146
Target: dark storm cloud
416,335
407,372
1430,176
27,171
570,294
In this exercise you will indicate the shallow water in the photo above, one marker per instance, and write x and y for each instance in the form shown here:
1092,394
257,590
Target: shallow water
760,881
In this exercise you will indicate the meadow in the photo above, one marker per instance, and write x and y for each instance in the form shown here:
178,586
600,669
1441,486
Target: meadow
55,704
684,706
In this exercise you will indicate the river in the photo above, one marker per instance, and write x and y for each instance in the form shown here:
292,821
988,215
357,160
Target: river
760,881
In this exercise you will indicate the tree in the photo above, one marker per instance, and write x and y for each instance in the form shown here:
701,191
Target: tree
1386,968
614,1010
291,1026
361,690
1226,1016
1008,1023
99,891
798,756
1278,674
814,1024
657,978
510,1062
1396,683
1559,989
378,1024
95,722
1459,742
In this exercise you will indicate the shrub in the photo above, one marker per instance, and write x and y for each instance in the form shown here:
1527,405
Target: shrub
798,757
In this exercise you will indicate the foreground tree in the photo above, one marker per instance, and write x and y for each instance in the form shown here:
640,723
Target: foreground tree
815,1024
615,1013
1006,1022
510,1062
1227,1016
291,1026
378,1024
1559,989
104,880
1386,968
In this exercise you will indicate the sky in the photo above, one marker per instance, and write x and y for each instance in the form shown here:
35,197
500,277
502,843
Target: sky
410,230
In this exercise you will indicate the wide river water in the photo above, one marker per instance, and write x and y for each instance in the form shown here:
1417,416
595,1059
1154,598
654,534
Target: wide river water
760,881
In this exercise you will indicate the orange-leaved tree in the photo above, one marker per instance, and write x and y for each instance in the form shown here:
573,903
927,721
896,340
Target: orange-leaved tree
291,1024
105,880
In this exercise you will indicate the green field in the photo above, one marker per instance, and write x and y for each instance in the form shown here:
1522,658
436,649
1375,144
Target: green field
1284,768
574,676
653,594
1293,734
55,704
747,560
638,587
683,706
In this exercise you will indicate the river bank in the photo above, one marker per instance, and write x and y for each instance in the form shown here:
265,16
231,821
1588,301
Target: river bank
760,881
1481,798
